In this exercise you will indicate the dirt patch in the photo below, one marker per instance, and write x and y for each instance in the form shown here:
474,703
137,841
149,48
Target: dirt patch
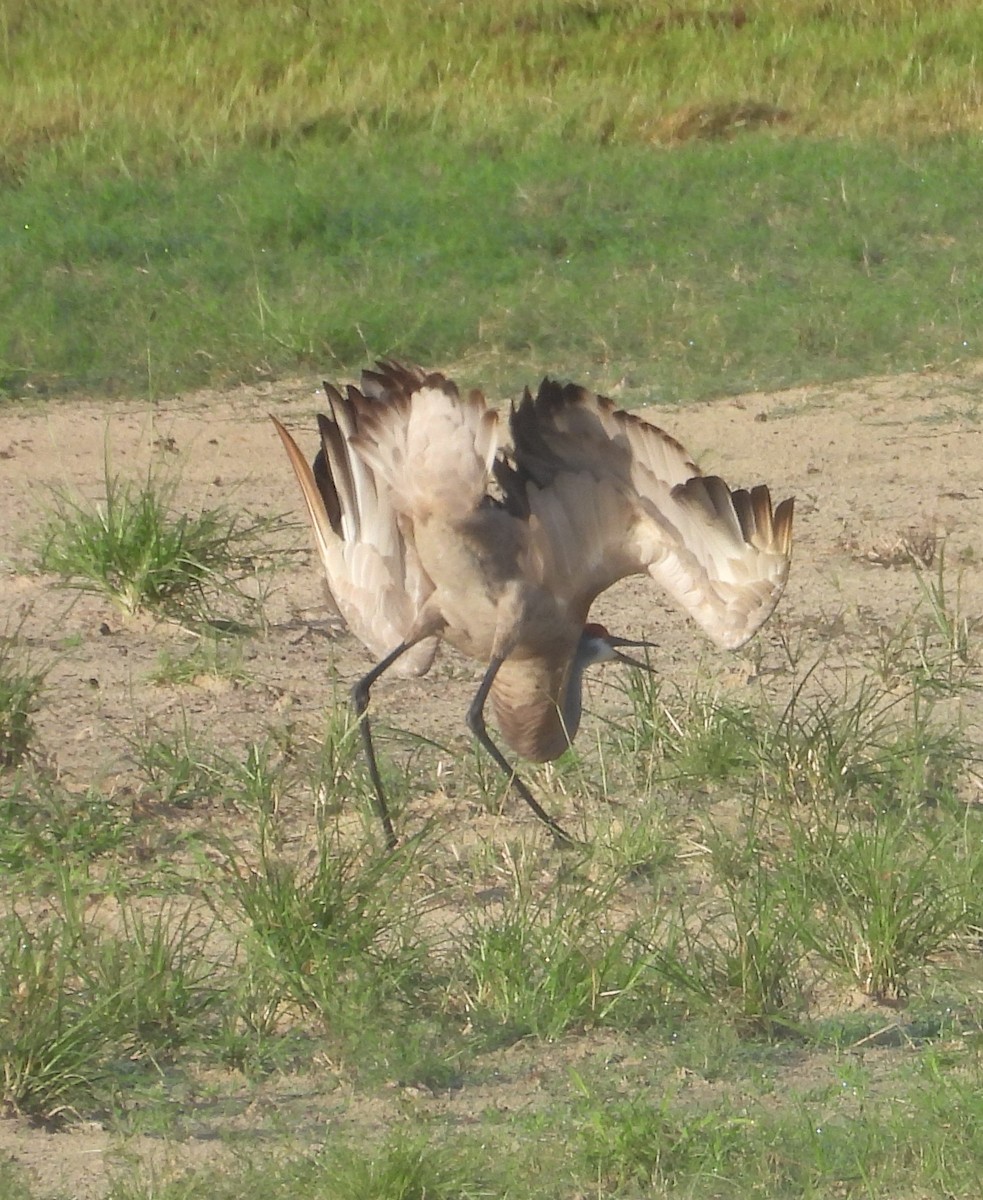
875,466
878,467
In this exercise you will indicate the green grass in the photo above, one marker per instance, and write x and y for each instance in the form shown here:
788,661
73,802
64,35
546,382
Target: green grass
109,81
846,1135
270,195
178,768
891,892
211,659
52,1042
846,1144
81,1001
20,687
549,965
661,1006
182,769
541,185
406,1167
42,827
13,1182
758,263
135,548
333,935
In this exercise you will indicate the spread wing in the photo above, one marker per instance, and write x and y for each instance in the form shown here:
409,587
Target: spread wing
372,571
608,495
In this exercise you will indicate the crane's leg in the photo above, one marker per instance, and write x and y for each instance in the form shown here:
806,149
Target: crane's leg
476,723
360,703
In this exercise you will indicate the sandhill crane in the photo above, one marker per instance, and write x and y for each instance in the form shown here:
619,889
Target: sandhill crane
426,530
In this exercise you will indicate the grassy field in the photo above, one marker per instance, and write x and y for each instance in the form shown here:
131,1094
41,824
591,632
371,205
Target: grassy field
759,976
766,982
103,82
720,197
708,269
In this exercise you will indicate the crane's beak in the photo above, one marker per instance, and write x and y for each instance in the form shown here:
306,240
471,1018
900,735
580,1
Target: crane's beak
616,642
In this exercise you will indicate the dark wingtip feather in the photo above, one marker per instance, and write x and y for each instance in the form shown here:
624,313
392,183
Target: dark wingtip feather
710,494
332,450
765,526
782,524
553,395
756,522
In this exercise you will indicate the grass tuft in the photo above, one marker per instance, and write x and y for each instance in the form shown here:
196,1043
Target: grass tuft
20,688
546,962
212,658
43,828
888,896
158,978
638,1143
328,933
135,549
52,1043
404,1167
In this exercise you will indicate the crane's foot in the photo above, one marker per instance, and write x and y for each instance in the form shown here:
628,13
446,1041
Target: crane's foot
565,841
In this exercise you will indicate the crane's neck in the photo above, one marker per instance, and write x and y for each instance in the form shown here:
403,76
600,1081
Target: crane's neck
538,703
571,705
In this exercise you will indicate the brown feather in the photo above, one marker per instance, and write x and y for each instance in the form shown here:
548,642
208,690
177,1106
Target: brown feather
372,574
526,699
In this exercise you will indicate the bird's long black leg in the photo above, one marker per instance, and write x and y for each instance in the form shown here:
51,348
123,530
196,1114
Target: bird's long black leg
476,723
360,703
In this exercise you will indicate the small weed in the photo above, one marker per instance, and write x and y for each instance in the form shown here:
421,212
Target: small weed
178,769
181,770
257,782
213,658
19,691
135,549
53,1039
245,1034
330,933
428,1054
13,1182
821,748
739,959
336,776
915,546
945,659
932,649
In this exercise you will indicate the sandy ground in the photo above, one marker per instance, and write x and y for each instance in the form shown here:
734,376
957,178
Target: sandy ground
874,465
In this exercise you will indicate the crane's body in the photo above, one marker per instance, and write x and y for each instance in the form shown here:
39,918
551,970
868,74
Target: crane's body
428,531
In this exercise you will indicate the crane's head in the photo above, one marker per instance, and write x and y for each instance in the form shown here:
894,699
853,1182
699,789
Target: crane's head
597,645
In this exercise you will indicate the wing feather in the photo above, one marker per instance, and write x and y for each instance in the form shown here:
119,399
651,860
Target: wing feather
373,574
610,495
430,447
